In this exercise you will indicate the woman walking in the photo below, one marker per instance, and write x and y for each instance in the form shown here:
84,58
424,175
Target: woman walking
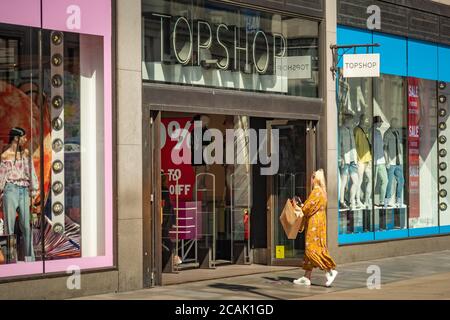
316,251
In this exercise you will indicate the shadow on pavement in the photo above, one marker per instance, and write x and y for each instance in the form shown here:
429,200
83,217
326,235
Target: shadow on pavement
237,287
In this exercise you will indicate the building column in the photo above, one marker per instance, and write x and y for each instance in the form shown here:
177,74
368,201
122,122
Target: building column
129,144
331,125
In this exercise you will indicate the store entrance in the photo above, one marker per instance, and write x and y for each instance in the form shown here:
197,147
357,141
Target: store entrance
205,195
213,202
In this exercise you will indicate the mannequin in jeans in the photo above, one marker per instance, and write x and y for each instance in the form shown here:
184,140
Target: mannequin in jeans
363,149
393,148
379,159
17,181
347,163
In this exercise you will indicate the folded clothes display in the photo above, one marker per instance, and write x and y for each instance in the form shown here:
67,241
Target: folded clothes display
8,247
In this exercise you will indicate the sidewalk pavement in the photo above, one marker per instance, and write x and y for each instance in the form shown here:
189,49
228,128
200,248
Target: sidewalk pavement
422,276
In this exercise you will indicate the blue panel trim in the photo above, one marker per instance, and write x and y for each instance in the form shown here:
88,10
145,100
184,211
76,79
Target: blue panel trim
391,234
355,237
348,36
422,60
444,229
393,54
418,232
444,63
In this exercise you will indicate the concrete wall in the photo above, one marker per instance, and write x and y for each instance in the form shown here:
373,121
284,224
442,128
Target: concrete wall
56,288
129,144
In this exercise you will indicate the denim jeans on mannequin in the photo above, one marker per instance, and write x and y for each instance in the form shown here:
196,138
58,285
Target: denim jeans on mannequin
397,172
17,199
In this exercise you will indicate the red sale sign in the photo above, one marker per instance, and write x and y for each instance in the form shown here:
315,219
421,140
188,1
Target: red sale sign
414,147
176,157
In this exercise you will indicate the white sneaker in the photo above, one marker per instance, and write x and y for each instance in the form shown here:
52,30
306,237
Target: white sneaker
303,281
330,277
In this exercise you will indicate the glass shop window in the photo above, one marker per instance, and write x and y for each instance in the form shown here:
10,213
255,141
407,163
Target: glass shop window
215,45
52,142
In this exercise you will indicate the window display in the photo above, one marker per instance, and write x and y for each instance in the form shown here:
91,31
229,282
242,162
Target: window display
52,149
404,150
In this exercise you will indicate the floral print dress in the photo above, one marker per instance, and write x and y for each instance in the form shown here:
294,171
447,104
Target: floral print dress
316,251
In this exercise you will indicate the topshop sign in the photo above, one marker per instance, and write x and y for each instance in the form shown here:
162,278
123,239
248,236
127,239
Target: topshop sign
258,48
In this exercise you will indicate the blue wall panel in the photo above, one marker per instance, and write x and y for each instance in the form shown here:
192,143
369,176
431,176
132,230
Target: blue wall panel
349,36
391,234
420,232
422,60
444,63
444,229
393,51
355,238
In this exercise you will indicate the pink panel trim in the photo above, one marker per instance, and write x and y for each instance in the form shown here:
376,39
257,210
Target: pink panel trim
79,16
83,263
19,269
21,12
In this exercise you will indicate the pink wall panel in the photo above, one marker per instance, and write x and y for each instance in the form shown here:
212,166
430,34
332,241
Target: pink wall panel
21,12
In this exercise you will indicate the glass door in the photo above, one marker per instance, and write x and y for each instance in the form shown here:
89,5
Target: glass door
296,149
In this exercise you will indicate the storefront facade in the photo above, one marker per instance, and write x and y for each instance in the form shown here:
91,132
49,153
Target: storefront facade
136,76
239,70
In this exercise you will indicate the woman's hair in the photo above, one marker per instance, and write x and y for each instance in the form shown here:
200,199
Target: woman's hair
13,133
319,180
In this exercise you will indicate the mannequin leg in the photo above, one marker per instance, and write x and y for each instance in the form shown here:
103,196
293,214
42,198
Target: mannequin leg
24,222
391,174
10,204
400,183
354,187
344,181
368,188
361,170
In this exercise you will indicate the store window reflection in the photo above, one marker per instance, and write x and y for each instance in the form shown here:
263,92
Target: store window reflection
355,156
390,135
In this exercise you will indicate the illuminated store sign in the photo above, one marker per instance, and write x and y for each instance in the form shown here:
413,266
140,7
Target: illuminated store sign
186,37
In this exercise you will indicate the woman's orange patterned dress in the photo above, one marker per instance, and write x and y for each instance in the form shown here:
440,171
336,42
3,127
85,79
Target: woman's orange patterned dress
316,251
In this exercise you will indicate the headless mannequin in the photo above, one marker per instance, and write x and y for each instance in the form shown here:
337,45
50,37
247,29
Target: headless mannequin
348,163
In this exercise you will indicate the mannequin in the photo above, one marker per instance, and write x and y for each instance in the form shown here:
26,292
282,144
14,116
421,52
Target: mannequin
17,181
363,149
347,163
379,159
393,147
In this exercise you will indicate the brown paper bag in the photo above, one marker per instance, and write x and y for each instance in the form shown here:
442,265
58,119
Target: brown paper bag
292,219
